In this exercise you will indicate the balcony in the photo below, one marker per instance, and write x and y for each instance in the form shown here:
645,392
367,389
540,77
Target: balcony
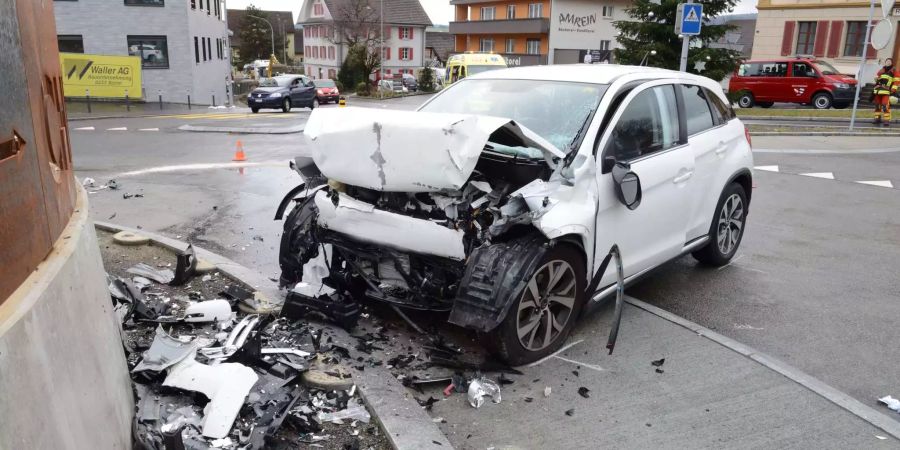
507,26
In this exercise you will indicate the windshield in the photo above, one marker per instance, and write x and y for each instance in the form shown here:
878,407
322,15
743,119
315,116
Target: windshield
555,110
276,81
473,69
826,69
324,83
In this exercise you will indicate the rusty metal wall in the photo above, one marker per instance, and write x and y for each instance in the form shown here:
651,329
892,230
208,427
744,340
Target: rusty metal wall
37,190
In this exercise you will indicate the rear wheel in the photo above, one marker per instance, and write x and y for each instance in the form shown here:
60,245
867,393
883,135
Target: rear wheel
541,318
254,110
727,229
822,100
765,104
746,100
286,105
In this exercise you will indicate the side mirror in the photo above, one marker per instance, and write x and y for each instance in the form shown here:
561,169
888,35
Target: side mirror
628,185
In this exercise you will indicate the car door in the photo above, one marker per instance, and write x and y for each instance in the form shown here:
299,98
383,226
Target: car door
645,133
294,91
801,81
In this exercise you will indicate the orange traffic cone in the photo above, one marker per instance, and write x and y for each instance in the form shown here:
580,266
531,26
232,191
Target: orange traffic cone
239,153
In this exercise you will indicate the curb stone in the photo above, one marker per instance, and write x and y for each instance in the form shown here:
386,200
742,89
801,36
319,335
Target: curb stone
823,133
404,422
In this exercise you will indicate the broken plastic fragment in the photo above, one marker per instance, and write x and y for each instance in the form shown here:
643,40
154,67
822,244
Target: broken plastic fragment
208,311
357,412
891,402
481,387
164,276
226,386
547,391
164,352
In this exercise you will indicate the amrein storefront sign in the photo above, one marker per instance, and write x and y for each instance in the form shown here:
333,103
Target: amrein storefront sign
574,23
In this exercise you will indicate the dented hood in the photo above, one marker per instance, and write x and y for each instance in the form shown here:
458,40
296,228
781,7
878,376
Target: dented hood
408,151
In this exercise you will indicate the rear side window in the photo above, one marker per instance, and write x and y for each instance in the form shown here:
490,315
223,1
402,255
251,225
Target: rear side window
649,124
722,112
696,109
765,69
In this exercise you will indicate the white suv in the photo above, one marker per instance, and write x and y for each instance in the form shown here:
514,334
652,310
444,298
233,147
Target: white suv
501,198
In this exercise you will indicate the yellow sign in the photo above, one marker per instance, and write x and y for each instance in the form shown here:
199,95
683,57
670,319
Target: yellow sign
101,75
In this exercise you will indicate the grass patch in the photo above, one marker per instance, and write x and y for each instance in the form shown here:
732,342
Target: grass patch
772,112
822,129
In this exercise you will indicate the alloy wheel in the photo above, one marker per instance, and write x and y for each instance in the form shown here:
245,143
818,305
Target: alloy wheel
546,305
731,224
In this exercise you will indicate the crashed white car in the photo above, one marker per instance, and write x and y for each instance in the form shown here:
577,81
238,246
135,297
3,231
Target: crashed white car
502,198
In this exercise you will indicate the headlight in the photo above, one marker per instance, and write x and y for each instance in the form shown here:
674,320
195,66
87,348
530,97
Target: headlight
320,92
842,85
275,94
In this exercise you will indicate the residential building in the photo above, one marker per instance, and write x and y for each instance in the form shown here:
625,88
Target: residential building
832,30
282,22
183,44
403,36
439,44
530,32
298,44
739,39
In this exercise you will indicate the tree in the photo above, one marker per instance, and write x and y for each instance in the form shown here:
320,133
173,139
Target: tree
426,79
255,36
656,31
357,26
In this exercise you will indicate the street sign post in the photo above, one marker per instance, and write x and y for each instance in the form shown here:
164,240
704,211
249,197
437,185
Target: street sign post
688,22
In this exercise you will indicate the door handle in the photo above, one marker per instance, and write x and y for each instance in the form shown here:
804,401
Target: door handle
682,178
722,148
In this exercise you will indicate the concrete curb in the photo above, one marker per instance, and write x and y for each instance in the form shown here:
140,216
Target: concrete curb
243,130
823,133
405,423
831,394
799,118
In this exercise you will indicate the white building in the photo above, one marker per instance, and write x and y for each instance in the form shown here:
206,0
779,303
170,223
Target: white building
579,26
404,36
183,43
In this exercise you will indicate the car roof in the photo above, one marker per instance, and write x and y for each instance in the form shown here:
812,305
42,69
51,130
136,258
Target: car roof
584,73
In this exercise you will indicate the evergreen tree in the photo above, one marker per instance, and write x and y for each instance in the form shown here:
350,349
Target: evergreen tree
653,28
256,38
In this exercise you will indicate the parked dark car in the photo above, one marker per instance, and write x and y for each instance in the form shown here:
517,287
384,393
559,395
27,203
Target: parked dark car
410,82
283,92
326,91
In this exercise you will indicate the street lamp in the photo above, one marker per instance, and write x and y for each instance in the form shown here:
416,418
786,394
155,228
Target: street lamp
271,28
650,53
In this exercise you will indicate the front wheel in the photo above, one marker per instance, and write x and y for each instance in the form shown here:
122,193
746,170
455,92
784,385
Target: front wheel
286,105
822,100
314,104
746,100
544,313
254,110
727,229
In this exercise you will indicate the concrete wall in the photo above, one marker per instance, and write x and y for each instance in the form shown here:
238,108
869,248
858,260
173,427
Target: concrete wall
64,383
209,77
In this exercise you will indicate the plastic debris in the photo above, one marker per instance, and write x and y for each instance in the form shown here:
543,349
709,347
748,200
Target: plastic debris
164,276
584,392
164,352
208,311
658,362
481,387
88,181
357,412
547,391
891,402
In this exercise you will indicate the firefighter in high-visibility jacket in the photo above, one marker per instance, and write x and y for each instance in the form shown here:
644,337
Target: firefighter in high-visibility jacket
886,82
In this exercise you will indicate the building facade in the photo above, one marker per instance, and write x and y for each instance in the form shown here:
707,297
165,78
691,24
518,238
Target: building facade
183,44
740,39
833,30
531,32
404,35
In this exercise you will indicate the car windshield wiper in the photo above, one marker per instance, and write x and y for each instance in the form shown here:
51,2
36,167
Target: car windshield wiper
570,152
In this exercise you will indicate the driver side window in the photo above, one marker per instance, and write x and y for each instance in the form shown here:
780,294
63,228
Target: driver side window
648,124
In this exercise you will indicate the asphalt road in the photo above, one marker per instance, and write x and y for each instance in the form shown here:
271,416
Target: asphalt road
815,282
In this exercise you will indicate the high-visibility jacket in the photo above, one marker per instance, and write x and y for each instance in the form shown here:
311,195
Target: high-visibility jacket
886,81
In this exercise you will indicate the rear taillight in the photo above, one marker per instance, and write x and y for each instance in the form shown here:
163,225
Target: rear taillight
747,135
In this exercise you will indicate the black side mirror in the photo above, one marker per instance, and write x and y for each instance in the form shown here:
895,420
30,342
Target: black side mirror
628,185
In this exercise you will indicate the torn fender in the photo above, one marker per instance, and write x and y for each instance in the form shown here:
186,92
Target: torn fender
408,151
362,221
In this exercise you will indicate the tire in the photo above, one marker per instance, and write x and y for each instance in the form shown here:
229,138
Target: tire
286,105
254,110
504,340
765,104
822,100
746,100
732,217
315,104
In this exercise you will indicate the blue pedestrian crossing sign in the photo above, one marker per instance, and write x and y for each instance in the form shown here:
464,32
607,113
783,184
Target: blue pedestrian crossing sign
689,19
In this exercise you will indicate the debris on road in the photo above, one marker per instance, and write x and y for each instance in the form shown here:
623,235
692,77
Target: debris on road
891,402
658,362
480,388
584,392
164,276
547,391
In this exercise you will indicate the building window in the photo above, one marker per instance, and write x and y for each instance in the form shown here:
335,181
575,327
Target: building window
332,74
201,5
806,37
193,4
487,44
318,10
607,11
208,8
510,45
387,53
146,3
209,47
535,10
153,50
203,46
488,12
306,51
604,45
330,52
405,33
406,54
70,43
853,44
533,46
196,49
510,11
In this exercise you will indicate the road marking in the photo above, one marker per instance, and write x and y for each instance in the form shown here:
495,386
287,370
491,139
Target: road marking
149,129
731,262
207,166
825,175
879,183
564,348
117,129
767,168
572,361
85,129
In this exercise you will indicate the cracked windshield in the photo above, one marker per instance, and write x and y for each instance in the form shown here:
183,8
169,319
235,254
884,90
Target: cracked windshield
437,224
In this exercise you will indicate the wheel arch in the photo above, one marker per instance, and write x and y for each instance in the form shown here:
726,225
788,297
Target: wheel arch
744,178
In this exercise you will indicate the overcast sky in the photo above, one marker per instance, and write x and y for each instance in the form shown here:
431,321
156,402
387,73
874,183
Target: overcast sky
439,10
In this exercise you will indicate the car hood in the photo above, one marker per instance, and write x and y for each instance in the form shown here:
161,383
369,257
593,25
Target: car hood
840,78
409,151
270,89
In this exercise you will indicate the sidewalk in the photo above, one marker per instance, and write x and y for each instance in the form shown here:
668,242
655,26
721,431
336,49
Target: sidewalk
707,396
78,110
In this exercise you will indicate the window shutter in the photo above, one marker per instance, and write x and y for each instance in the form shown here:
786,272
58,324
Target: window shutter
387,32
410,49
787,39
834,41
821,38
870,51
411,29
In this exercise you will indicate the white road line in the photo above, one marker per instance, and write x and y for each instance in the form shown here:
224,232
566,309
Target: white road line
825,175
879,183
767,168
117,129
572,361
565,347
149,129
184,167
85,129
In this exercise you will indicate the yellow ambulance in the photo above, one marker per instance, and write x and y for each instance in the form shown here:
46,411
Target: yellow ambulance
465,64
